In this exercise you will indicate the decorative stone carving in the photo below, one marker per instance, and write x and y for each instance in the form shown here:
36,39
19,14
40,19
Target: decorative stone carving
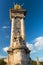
18,53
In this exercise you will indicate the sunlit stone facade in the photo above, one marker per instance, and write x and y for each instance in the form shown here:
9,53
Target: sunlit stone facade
18,53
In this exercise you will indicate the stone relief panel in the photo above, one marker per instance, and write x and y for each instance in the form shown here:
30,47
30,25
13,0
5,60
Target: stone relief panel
17,26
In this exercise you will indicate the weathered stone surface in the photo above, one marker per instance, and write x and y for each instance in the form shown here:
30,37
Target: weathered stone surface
18,53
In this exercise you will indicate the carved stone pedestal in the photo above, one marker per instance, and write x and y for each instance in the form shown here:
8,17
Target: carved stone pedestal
19,54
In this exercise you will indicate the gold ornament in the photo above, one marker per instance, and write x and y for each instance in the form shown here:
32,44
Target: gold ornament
17,7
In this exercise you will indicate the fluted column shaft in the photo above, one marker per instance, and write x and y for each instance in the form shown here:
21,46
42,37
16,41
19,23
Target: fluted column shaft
22,28
12,32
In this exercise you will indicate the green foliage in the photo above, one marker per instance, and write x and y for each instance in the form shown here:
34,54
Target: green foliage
2,62
35,63
41,63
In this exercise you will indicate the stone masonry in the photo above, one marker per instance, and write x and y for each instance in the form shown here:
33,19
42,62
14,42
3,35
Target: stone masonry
18,53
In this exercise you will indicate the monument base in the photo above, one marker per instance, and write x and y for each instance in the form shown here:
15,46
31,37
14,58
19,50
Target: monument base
19,54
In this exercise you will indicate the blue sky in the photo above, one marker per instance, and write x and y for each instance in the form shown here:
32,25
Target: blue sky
33,26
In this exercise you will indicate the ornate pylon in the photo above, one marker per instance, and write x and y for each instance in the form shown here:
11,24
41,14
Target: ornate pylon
38,63
18,53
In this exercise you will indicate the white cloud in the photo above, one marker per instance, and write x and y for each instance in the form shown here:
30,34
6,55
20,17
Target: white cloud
5,49
37,46
2,56
41,59
39,43
31,47
5,27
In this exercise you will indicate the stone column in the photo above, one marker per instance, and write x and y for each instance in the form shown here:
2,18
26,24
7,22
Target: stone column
22,28
12,32
38,63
